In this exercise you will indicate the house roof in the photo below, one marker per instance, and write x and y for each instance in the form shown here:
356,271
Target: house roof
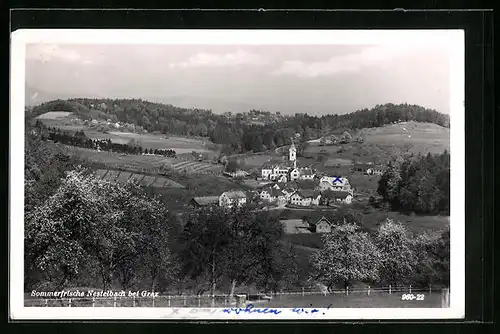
276,192
281,185
307,193
304,184
267,165
235,194
330,179
307,171
206,200
323,218
337,194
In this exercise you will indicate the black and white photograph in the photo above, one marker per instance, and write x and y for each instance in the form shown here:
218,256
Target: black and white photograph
237,174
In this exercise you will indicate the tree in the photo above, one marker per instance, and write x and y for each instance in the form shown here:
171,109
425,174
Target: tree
231,244
348,255
206,237
92,226
432,258
252,250
397,260
232,166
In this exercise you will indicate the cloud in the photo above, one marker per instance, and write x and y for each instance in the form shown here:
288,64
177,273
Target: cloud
370,56
50,52
237,58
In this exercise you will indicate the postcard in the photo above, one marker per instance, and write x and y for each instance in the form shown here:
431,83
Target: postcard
237,174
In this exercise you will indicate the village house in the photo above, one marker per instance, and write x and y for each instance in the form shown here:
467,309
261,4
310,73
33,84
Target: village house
334,183
344,197
198,202
323,225
266,171
272,195
294,174
305,197
306,173
230,198
362,166
375,170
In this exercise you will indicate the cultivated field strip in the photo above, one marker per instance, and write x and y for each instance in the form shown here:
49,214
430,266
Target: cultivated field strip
193,167
145,180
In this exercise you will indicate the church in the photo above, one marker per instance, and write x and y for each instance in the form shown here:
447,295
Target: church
287,171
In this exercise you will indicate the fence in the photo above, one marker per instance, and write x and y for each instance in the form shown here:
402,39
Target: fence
221,300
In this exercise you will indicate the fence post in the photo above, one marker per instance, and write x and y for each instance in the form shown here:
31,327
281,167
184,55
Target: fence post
184,300
430,288
445,297
69,303
347,290
410,289
225,300
389,289
133,300
368,290
199,300
213,300
114,302
153,300
46,302
168,297
93,301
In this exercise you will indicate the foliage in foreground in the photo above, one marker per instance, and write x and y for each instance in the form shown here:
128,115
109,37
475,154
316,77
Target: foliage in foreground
390,257
90,228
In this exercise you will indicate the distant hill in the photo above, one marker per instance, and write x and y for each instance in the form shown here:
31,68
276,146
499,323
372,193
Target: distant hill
33,96
238,135
418,136
217,106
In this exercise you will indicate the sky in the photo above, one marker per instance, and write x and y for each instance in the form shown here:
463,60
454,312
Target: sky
315,79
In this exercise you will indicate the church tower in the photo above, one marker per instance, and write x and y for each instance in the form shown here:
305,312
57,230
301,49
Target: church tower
293,154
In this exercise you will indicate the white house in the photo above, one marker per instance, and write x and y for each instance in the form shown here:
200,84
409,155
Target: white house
342,197
306,173
272,195
323,225
375,170
305,197
294,174
334,183
266,171
230,198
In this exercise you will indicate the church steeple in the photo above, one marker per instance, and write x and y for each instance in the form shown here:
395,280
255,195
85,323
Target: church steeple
293,154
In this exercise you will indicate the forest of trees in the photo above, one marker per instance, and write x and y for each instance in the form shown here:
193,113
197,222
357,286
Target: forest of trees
235,134
418,184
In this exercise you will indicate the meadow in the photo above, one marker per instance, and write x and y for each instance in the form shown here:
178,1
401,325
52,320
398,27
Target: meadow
382,143
66,122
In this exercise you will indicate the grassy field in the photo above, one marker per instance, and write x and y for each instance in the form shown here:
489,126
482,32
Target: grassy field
384,142
414,223
192,166
181,145
123,176
312,240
